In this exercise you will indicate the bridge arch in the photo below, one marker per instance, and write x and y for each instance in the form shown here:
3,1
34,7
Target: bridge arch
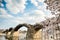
32,30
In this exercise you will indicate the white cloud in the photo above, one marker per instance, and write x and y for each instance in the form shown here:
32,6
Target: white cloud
40,12
42,8
34,2
4,13
39,4
40,0
27,18
37,17
40,15
10,18
16,6
1,5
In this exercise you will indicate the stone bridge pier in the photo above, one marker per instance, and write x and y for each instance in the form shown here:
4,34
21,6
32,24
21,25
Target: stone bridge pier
34,32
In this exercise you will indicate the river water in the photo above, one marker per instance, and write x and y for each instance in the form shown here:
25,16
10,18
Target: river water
21,37
2,38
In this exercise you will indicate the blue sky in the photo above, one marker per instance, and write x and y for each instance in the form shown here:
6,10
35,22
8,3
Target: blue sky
14,12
